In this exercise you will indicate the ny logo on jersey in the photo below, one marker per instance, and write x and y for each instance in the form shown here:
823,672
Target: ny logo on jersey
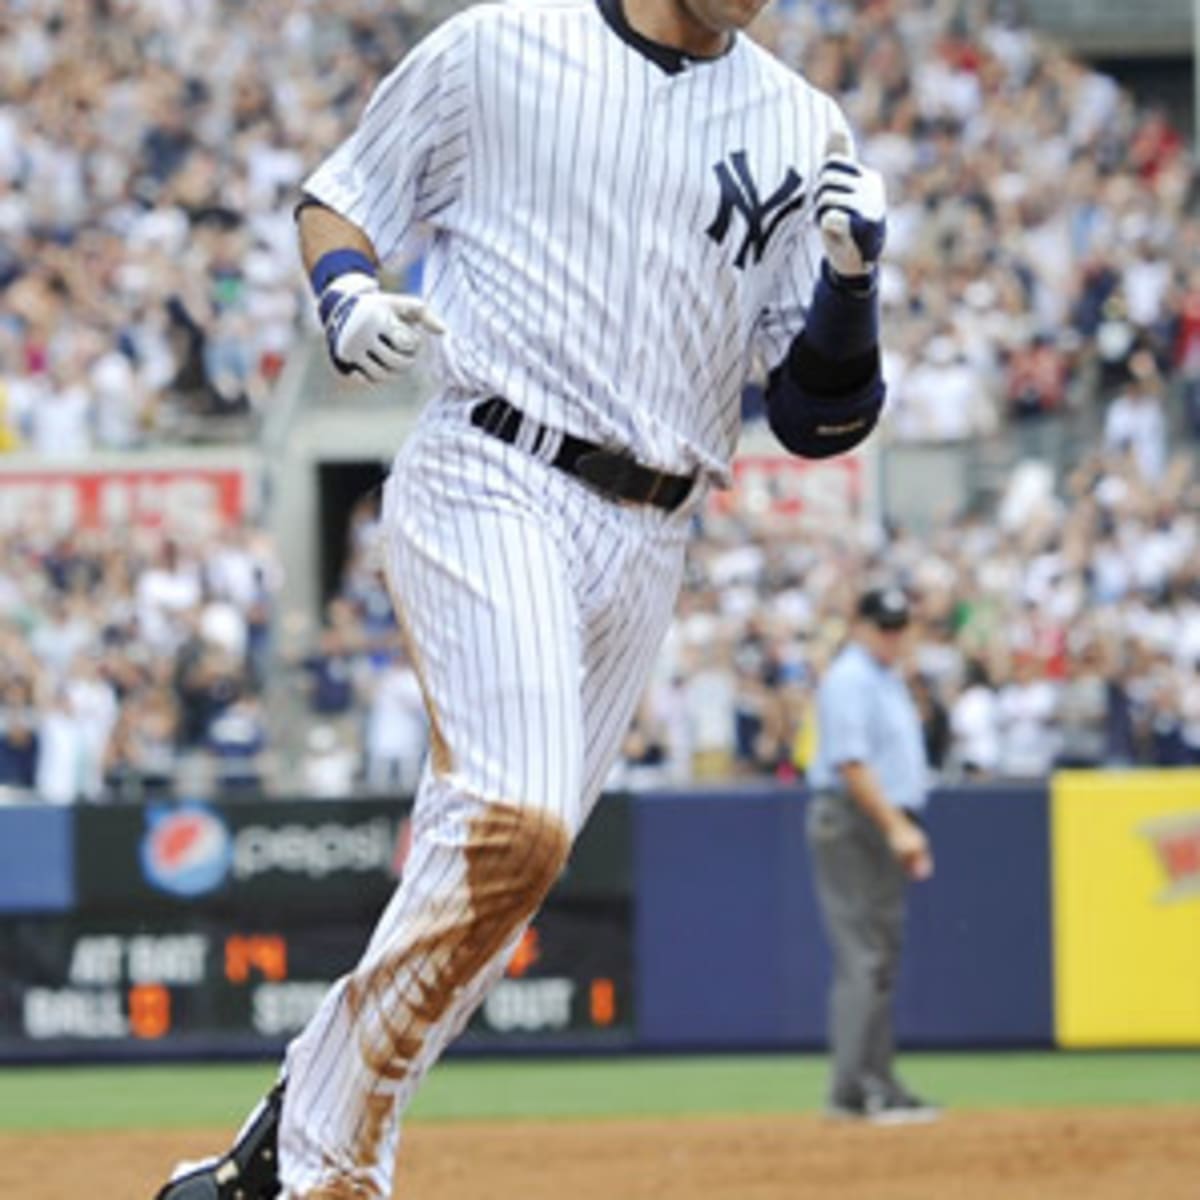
739,192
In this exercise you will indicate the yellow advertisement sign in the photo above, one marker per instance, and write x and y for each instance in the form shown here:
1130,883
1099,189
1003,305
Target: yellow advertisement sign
1126,878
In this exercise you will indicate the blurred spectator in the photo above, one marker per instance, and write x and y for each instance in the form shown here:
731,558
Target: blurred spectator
760,741
18,734
935,720
644,752
1165,745
237,739
941,397
1026,706
396,727
1186,350
93,705
336,665
709,690
1036,395
62,752
329,765
1136,423
1189,708
975,723
1081,711
208,680
143,752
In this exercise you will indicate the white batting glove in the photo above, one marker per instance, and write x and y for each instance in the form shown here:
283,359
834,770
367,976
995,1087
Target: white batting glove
851,211
372,332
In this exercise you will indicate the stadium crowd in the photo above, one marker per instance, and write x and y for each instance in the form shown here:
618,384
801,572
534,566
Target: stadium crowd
150,152
1042,284
132,663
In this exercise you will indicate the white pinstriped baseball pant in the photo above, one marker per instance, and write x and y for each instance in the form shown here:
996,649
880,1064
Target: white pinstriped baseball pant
534,608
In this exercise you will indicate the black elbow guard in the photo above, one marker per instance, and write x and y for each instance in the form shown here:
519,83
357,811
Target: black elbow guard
818,408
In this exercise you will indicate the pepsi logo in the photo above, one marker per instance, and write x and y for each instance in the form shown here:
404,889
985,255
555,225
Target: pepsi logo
185,851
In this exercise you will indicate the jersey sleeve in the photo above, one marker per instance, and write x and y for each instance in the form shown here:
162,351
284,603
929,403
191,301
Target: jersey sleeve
843,718
784,313
405,162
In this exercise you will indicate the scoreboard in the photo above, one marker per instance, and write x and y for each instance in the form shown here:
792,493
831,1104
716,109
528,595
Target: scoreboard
226,985
201,929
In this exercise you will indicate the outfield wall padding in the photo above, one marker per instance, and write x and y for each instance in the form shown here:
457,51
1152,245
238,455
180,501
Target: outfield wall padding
37,860
730,949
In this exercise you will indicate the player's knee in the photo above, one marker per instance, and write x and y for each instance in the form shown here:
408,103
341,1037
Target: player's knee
514,855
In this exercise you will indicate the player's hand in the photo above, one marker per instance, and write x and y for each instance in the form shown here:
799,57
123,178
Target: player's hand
371,332
909,844
851,210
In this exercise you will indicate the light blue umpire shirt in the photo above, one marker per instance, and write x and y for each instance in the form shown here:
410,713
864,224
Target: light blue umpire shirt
866,714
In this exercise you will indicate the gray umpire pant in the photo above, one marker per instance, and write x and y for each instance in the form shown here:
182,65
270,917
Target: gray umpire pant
860,888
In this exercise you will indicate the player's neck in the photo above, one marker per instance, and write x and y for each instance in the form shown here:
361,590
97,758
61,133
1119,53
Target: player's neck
671,23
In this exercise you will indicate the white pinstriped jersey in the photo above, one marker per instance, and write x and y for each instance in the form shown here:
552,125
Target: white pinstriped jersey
610,243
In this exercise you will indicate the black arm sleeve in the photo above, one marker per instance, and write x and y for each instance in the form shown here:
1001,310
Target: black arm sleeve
827,394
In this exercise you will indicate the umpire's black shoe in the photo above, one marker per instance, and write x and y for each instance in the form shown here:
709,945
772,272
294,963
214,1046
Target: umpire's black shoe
249,1171
901,1107
846,1108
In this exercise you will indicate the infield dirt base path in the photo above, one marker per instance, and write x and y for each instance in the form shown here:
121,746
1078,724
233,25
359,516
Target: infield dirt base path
1136,1154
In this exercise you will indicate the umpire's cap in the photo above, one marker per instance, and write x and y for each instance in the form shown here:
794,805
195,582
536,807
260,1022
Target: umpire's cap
885,607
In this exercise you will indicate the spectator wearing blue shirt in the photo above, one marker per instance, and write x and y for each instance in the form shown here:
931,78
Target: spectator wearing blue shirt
869,780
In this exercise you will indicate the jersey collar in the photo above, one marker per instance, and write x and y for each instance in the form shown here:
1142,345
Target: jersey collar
668,58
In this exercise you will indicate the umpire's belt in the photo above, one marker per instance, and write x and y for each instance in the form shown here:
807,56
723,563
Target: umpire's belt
609,472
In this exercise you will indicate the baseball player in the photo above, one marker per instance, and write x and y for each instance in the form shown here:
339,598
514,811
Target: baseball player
624,204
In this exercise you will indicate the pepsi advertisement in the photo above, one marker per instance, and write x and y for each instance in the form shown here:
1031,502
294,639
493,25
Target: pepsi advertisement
324,856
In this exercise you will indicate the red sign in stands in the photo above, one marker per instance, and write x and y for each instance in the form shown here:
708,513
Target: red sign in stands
149,497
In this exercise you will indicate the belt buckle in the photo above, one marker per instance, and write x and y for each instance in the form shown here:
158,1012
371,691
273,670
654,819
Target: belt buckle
606,471
658,479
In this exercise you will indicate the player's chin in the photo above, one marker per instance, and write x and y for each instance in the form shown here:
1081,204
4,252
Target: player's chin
740,13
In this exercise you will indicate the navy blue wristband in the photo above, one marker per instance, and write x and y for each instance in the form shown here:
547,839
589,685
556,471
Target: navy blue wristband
842,323
339,262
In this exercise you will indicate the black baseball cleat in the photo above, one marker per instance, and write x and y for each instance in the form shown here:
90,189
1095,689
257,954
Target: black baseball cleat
248,1171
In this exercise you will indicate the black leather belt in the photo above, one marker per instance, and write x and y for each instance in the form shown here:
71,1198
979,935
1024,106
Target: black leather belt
611,473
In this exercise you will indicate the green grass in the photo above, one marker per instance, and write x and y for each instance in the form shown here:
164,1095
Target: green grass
174,1096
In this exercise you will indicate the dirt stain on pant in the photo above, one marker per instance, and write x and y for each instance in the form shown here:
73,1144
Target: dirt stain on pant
513,856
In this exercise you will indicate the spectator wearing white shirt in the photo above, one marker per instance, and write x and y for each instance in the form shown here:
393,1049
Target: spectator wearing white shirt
60,421
329,765
1026,707
397,729
166,591
63,632
62,752
975,723
1136,423
93,705
942,397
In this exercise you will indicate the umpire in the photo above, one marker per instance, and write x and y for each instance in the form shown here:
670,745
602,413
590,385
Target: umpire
866,840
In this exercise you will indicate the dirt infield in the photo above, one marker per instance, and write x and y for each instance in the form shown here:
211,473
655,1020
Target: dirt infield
1136,1154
